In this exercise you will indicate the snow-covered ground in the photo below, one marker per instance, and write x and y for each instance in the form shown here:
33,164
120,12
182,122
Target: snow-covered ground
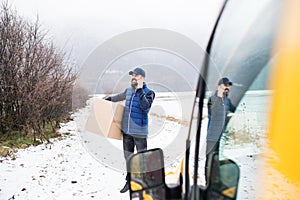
62,170
83,165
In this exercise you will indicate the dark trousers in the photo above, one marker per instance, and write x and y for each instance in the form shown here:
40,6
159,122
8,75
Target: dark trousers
211,148
129,142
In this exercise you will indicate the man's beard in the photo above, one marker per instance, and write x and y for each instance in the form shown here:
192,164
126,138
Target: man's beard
226,91
134,83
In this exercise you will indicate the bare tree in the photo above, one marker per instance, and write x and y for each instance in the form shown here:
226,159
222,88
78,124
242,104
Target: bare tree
36,80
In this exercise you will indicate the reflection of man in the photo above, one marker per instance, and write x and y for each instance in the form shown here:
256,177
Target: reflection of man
219,105
139,99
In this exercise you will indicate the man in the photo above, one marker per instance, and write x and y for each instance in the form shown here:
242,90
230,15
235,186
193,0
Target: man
219,106
139,99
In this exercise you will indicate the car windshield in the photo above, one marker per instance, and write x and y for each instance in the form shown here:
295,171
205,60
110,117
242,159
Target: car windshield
242,52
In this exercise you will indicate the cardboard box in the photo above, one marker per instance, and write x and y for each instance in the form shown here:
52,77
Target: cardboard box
105,119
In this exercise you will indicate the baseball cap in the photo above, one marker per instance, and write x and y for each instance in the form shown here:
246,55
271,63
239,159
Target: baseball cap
225,81
138,71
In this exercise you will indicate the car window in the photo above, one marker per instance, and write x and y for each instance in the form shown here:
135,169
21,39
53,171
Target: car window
242,51
243,44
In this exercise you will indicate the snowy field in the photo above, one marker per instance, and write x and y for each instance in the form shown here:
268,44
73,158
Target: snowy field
84,165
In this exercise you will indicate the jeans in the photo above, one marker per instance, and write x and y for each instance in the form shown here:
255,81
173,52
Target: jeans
129,142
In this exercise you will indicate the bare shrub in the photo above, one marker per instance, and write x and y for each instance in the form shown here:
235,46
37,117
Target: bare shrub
36,82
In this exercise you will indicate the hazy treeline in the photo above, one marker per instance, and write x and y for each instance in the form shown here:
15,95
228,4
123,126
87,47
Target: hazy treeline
36,79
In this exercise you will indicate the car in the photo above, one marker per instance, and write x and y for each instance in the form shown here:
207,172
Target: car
256,44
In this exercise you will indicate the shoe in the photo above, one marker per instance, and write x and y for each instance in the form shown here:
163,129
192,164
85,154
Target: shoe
125,188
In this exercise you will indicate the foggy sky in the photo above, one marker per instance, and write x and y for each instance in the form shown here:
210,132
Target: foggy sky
80,26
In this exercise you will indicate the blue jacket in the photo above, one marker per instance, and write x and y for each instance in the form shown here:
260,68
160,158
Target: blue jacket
218,109
137,106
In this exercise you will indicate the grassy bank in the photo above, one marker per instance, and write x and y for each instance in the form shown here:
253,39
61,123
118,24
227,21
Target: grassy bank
12,141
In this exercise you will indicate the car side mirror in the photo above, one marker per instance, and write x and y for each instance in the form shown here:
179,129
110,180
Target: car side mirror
223,179
147,175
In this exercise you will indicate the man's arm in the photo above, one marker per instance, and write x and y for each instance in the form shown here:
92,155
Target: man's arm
231,106
145,99
117,97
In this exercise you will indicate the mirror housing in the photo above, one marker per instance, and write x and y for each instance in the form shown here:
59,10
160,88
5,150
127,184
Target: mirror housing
223,180
147,175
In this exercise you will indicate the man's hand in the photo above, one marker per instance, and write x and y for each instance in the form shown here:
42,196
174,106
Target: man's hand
220,91
107,98
140,83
